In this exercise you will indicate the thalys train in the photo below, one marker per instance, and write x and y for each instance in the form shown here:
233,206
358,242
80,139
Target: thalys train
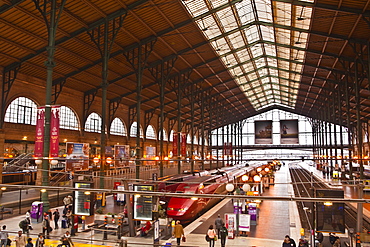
187,209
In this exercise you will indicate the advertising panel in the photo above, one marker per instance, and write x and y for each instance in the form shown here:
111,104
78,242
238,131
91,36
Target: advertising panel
230,224
263,132
150,155
330,217
39,140
121,155
77,158
54,131
289,132
174,144
83,203
143,205
244,222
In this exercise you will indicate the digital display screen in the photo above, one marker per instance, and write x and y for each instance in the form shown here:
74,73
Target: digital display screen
82,203
143,205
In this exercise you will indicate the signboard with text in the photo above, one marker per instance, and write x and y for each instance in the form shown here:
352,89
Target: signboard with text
143,205
77,158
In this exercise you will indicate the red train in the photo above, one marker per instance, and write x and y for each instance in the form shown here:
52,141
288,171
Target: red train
186,209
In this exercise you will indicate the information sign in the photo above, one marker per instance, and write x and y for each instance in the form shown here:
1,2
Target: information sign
143,205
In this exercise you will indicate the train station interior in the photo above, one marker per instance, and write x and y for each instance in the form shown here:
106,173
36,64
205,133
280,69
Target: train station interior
128,115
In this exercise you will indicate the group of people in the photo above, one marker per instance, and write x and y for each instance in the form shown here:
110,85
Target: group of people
22,240
333,239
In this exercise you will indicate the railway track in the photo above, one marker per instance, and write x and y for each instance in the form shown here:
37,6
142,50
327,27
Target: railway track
304,184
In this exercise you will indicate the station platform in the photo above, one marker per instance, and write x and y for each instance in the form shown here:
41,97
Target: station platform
276,219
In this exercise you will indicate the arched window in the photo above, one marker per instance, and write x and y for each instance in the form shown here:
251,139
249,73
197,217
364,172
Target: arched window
133,130
188,139
68,119
21,110
93,123
150,133
165,137
195,140
117,127
171,136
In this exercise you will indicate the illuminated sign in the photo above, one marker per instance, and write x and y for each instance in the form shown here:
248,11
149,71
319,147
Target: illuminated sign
143,205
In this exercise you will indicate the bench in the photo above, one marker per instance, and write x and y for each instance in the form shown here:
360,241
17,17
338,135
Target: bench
5,211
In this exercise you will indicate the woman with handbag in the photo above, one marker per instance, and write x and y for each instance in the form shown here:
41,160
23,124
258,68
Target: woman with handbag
212,236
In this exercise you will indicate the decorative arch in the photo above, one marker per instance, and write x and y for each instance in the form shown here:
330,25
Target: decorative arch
21,110
68,119
195,140
165,137
150,133
118,127
133,130
93,123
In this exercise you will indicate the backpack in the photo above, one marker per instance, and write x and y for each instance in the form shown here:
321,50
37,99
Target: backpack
23,224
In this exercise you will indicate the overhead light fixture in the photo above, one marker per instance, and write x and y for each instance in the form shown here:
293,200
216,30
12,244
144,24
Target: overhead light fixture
205,29
298,42
300,18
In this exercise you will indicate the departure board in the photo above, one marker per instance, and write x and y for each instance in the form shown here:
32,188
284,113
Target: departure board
143,205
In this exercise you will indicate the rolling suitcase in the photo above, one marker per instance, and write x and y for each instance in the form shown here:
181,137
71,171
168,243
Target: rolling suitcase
64,224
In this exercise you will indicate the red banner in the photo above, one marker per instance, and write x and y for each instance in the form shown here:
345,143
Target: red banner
183,144
54,131
174,144
39,140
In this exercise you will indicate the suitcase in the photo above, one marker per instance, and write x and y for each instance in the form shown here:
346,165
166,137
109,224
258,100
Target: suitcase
64,224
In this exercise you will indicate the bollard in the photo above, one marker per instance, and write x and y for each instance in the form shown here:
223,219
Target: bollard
105,233
119,228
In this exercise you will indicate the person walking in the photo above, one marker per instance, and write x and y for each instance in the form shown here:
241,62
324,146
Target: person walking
288,242
218,224
46,227
223,235
178,232
20,240
212,236
3,236
40,241
56,218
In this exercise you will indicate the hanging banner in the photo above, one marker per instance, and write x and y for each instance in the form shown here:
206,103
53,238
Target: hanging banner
263,132
77,158
39,140
183,144
230,224
289,132
174,144
121,155
54,131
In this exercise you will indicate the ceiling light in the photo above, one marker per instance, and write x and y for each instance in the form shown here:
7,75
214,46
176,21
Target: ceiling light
298,42
300,18
205,29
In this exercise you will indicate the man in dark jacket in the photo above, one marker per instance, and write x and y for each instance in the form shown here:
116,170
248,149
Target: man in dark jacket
223,234
289,242
218,224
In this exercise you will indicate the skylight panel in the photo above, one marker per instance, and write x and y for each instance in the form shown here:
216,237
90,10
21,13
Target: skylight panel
248,67
264,10
227,19
252,76
221,46
257,50
270,50
263,72
260,62
266,83
209,27
267,33
216,3
245,12
243,55
196,7
236,40
272,62
252,34
283,13
274,72
238,71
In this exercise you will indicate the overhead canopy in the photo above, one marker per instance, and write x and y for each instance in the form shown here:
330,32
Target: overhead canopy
235,57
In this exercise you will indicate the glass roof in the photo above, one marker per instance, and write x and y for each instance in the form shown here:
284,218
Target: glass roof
260,42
